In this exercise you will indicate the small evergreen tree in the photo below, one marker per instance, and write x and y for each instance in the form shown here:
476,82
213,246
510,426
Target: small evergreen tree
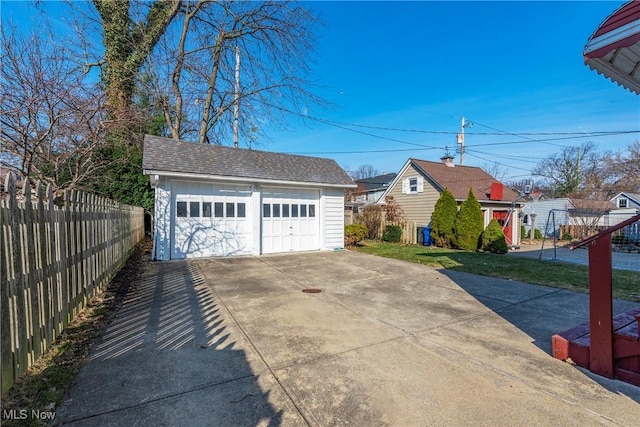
492,239
442,220
392,233
468,227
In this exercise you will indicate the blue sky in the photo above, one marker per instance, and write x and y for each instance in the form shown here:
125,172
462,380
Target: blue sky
508,67
511,68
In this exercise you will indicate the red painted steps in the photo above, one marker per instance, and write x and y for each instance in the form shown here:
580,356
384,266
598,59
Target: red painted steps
574,344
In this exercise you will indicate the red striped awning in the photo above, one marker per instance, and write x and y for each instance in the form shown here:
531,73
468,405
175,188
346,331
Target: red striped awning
613,50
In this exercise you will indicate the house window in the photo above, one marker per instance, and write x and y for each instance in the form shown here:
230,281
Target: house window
312,211
303,210
241,210
294,211
413,185
266,210
622,203
181,210
285,210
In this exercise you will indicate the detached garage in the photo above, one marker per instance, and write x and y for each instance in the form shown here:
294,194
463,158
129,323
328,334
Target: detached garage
219,201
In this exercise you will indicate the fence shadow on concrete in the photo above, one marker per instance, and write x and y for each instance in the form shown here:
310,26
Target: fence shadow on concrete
171,357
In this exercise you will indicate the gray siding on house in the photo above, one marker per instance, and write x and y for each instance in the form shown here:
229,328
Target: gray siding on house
419,206
544,222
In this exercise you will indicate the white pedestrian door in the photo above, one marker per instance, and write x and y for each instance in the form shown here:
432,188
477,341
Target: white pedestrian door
290,220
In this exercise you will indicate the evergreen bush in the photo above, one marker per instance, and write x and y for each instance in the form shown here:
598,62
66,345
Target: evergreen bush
442,220
493,240
468,225
392,233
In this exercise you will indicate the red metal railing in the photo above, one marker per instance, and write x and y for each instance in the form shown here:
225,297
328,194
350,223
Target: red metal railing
601,355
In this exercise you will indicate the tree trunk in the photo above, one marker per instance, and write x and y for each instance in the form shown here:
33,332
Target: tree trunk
127,45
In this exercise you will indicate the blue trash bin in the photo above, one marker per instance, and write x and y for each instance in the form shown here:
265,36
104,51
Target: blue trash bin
426,236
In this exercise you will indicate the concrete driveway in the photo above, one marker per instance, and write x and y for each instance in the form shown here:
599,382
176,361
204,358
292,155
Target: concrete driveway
236,341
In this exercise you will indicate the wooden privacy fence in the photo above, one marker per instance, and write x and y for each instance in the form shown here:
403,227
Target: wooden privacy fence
409,231
53,260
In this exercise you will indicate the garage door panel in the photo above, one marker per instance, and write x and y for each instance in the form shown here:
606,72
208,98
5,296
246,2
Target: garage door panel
286,224
210,220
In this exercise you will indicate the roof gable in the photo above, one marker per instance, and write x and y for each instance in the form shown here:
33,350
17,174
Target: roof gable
458,179
632,196
168,155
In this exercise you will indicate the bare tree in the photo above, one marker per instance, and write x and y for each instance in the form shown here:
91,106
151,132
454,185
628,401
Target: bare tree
364,171
496,171
623,170
194,67
51,117
564,170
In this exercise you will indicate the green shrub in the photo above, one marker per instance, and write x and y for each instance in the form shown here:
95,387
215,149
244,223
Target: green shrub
442,220
392,233
523,231
469,224
492,239
354,233
567,236
537,234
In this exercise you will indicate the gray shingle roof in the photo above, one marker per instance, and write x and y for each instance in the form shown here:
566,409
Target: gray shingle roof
168,155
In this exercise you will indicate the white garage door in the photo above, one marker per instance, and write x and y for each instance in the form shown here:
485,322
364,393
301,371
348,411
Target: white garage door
290,220
210,221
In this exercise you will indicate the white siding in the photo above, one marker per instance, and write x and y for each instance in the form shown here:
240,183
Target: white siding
332,208
162,220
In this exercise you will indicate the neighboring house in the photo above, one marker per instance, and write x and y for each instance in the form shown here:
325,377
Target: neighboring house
546,215
418,185
213,200
626,201
369,190
553,213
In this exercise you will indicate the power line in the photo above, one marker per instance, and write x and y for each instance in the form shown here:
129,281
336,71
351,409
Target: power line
497,132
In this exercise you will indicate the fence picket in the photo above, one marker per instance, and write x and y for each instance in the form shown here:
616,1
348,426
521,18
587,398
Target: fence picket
53,260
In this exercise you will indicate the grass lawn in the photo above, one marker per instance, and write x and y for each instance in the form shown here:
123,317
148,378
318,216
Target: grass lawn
626,284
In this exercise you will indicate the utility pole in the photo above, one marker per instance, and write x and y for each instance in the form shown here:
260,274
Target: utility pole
236,102
460,138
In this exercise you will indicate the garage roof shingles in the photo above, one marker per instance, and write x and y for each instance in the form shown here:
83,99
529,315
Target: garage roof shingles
168,155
